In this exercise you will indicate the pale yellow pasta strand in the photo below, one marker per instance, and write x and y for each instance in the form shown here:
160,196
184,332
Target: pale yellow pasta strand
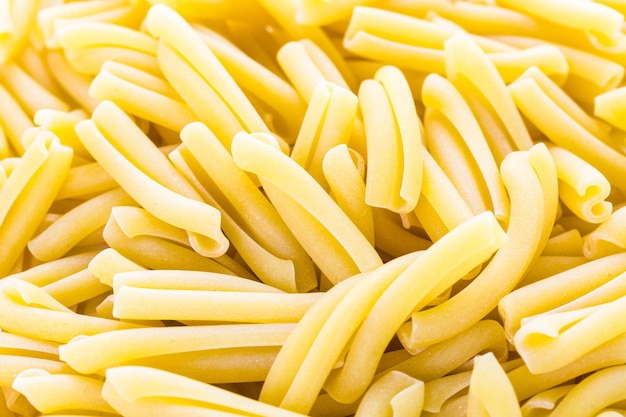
399,392
205,237
16,24
240,198
129,88
139,391
279,174
601,23
524,173
62,124
49,272
343,170
76,288
440,207
610,291
568,243
367,350
490,391
306,65
542,340
316,12
31,95
178,39
609,107
207,305
99,352
545,402
13,365
29,311
328,122
108,262
58,392
74,84
482,87
14,121
218,10
329,341
608,238
267,86
86,180
62,235
441,96
564,131
439,391
557,290
26,346
582,188
393,134
28,193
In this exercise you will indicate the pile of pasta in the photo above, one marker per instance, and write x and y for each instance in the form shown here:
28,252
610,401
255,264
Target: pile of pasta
312,207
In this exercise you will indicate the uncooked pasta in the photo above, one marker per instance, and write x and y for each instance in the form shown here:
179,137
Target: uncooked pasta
325,208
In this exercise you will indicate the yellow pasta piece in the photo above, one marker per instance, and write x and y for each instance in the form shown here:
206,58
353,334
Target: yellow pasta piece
545,401
76,85
13,365
608,238
392,130
62,124
29,311
37,177
62,235
107,263
442,99
395,394
490,392
609,106
140,391
17,18
13,120
58,392
219,10
485,92
49,272
86,180
559,289
240,199
76,288
568,243
540,339
227,306
198,76
537,106
96,135
331,109
95,353
601,23
268,87
128,87
290,188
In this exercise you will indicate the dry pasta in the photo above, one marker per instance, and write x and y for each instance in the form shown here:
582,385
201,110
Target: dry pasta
324,208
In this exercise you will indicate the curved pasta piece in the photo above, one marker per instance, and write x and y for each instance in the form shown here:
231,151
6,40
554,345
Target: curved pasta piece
297,196
76,288
328,122
92,354
609,106
394,145
490,391
442,98
365,351
439,391
394,394
13,365
129,87
245,208
156,244
136,391
27,347
608,238
27,310
568,243
73,83
133,303
540,339
546,401
343,170
199,77
86,180
61,123
601,23
50,393
259,80
557,290
108,262
14,121
62,235
544,113
455,353
17,19
49,272
393,238
205,236
525,174
88,45
596,392
28,193
306,65
582,188
485,92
